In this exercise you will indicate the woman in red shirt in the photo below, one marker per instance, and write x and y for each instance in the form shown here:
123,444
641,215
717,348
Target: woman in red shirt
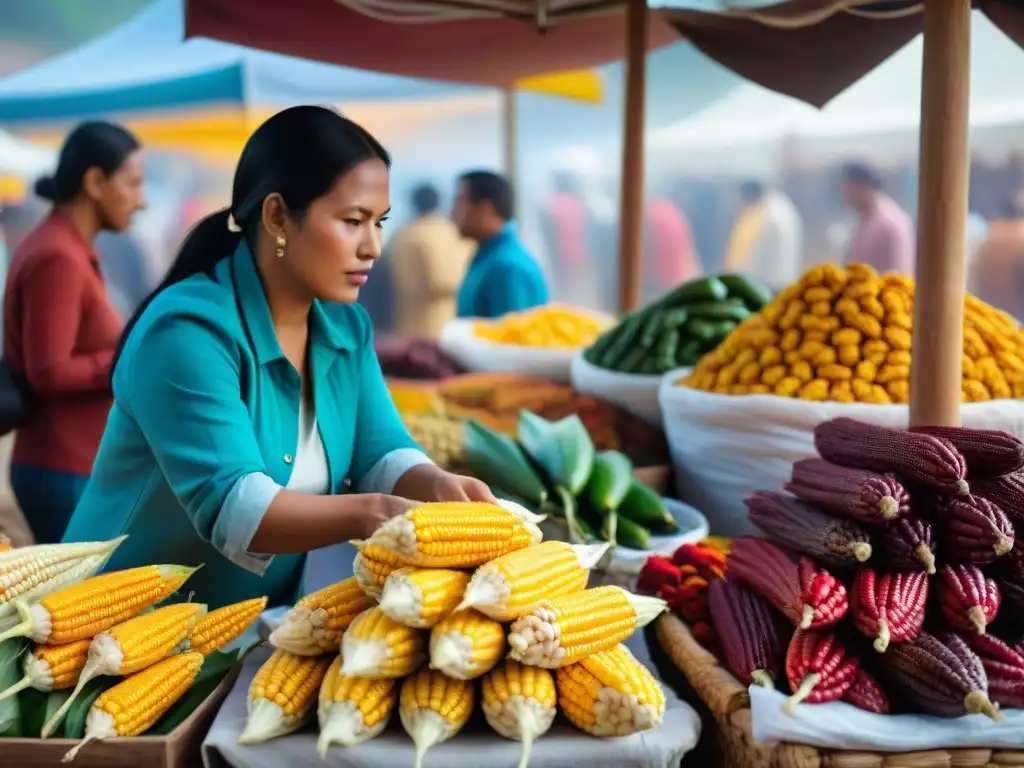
60,328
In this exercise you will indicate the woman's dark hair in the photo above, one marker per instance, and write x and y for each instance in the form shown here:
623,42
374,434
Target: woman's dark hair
91,145
299,153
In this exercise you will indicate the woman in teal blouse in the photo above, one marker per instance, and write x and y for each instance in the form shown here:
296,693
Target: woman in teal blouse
251,423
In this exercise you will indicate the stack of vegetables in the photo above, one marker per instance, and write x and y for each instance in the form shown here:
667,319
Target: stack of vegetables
550,327
445,595
675,330
554,467
892,577
83,656
844,335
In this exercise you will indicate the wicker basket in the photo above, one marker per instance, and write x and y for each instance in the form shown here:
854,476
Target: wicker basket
729,706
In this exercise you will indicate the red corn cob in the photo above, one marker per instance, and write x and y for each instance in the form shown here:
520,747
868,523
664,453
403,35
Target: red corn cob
856,494
830,540
1006,492
906,544
890,606
867,694
807,597
1004,667
967,599
818,668
1011,577
988,452
973,530
921,459
941,675
753,635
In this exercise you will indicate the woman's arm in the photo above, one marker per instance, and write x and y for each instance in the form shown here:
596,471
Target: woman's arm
51,305
180,380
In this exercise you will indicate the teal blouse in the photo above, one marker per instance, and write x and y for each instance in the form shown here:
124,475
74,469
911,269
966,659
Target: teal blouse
502,278
204,428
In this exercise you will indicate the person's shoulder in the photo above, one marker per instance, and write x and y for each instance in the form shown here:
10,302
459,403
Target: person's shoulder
196,309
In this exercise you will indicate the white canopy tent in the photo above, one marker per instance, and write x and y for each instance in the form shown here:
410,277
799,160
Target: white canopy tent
753,130
24,159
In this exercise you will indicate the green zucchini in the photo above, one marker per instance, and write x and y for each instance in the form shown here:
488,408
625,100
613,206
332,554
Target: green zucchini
695,291
564,451
609,480
701,330
627,333
732,309
676,318
644,506
634,361
754,294
631,534
652,329
496,459
593,353
688,354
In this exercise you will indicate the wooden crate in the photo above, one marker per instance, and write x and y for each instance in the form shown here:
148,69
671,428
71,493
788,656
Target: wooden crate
179,749
728,704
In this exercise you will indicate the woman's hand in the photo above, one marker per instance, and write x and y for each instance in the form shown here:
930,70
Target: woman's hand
428,482
381,509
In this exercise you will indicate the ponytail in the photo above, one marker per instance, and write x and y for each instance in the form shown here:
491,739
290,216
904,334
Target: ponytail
204,247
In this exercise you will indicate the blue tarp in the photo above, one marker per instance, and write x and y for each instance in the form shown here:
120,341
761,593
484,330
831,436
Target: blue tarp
146,64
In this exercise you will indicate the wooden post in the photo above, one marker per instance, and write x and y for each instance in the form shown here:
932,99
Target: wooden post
631,218
942,215
510,124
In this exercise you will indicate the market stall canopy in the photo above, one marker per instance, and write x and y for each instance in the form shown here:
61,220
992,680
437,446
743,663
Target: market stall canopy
476,42
145,65
748,127
815,49
23,159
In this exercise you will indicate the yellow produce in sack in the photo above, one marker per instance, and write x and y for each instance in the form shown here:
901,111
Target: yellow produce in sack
844,335
551,326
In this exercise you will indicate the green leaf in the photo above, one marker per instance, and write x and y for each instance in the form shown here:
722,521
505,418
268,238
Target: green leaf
10,673
215,668
563,449
74,720
54,702
32,704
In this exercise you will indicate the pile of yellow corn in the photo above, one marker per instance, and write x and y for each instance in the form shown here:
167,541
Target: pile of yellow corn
446,594
844,335
83,626
552,326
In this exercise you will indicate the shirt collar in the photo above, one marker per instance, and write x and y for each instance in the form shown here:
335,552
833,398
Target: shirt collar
252,300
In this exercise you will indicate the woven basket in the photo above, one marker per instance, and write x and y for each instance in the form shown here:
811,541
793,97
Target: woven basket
729,705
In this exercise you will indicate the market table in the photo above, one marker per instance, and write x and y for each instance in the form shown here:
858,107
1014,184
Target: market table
561,747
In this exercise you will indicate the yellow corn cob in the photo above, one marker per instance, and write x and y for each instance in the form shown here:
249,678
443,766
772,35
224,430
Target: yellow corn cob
433,708
513,584
51,668
370,572
222,627
421,597
564,630
30,573
466,644
316,623
96,604
454,534
5,543
610,694
135,704
352,709
376,646
519,703
132,646
282,695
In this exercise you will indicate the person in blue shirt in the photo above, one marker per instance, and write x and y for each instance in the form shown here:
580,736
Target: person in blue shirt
502,277
251,423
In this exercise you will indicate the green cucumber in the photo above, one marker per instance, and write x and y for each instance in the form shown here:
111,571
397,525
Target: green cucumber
695,291
754,294
593,353
644,506
652,329
676,318
701,330
631,534
564,451
496,459
732,309
688,354
634,361
627,333
609,480
667,344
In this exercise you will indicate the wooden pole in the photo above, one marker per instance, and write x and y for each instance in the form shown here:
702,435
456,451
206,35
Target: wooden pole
510,124
631,218
935,393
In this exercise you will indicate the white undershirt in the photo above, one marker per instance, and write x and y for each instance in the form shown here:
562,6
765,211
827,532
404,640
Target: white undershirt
309,470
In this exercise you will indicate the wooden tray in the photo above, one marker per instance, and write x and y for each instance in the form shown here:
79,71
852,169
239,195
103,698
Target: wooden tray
727,703
178,749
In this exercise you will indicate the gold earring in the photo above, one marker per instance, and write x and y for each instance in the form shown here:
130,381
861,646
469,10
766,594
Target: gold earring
281,242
